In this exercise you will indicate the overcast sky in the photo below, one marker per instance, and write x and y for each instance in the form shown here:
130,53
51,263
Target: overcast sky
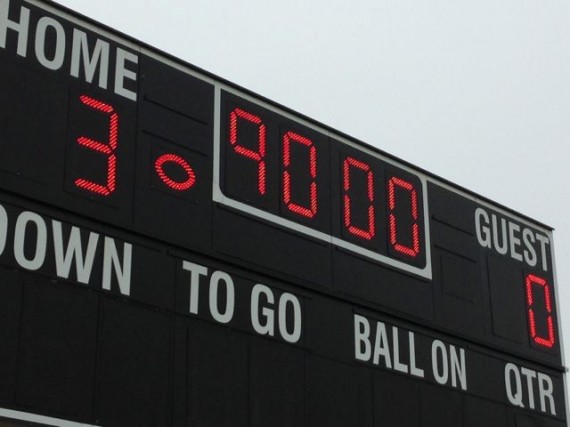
477,92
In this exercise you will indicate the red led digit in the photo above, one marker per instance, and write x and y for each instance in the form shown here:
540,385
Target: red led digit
370,231
289,138
414,249
108,148
175,185
236,116
531,282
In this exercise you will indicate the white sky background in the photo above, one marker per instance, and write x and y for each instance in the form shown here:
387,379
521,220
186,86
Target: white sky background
475,91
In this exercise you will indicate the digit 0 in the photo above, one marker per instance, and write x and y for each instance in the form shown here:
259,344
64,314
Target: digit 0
310,211
108,148
533,282
348,165
395,230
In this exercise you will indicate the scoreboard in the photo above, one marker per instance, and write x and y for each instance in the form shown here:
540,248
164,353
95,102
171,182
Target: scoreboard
178,251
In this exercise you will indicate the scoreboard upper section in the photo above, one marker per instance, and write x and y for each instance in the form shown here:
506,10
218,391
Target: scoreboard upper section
103,127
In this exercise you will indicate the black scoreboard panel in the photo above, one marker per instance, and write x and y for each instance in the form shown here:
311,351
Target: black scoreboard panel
194,341
175,250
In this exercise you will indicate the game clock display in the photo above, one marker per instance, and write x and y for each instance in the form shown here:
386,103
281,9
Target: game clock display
294,175
158,187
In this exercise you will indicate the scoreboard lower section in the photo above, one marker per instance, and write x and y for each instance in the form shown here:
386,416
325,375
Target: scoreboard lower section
178,251
106,328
